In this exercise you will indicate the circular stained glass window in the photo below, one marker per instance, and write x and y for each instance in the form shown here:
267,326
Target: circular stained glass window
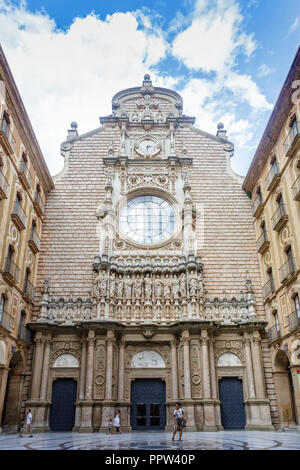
148,219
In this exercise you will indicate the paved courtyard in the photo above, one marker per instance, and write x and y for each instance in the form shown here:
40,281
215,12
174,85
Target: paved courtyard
229,440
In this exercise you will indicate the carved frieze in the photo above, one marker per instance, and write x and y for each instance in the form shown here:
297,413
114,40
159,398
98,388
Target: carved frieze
100,360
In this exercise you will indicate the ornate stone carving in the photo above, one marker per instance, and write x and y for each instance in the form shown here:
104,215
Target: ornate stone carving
100,359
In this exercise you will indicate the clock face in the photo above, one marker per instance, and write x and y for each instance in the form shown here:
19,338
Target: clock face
147,148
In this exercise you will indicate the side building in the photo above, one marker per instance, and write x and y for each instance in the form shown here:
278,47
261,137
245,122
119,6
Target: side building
273,180
24,184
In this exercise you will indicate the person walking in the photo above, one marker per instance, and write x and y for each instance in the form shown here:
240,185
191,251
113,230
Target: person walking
117,422
179,418
28,425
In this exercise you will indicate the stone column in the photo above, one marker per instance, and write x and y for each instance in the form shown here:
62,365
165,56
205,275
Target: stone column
213,381
209,423
258,370
37,366
3,383
108,404
295,372
260,412
45,367
87,405
121,370
249,366
174,369
82,369
41,413
188,402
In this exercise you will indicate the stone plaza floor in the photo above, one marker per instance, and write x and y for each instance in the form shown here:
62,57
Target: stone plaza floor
226,440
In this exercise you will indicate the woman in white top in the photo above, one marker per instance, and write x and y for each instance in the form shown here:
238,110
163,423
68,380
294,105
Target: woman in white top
178,415
117,422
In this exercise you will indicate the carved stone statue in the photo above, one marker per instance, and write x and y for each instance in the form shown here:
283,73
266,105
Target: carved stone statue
175,287
120,287
193,284
167,287
102,283
96,284
128,287
112,286
138,287
148,287
182,285
158,287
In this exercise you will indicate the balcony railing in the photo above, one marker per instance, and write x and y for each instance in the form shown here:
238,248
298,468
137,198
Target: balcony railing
25,175
292,142
34,242
268,289
39,204
263,242
273,333
279,218
287,269
24,334
257,206
6,138
6,320
19,217
11,271
296,189
272,178
294,320
29,290
3,186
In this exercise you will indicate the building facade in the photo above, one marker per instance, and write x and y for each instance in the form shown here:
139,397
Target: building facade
149,289
24,183
274,183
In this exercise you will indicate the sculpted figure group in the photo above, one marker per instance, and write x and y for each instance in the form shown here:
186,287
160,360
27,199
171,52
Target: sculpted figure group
148,287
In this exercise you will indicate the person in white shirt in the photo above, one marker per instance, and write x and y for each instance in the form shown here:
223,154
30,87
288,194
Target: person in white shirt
178,415
117,422
27,428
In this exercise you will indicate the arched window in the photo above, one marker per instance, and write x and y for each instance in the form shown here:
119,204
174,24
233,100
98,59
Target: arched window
271,279
22,322
297,305
2,304
229,359
276,320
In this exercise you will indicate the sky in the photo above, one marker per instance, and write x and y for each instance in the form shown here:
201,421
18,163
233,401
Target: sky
228,59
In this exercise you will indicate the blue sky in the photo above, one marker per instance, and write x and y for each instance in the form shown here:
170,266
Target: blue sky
227,58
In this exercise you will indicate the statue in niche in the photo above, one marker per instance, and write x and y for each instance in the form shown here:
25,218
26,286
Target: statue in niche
102,284
175,287
120,287
96,284
182,285
148,287
193,284
112,286
158,287
128,287
138,287
167,287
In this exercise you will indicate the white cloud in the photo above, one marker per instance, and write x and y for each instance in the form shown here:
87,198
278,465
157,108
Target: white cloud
264,70
295,25
214,38
73,74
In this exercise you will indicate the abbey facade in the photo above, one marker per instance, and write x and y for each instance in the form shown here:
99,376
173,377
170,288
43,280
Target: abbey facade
148,282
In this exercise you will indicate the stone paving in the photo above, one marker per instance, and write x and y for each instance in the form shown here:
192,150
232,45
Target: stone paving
227,440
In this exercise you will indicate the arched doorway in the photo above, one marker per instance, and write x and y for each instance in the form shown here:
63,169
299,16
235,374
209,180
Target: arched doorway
13,396
284,389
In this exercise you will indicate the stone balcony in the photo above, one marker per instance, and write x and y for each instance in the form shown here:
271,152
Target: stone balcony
257,207
292,142
263,243
19,217
279,218
6,138
3,186
272,178
7,321
273,334
39,204
29,291
34,242
296,189
268,289
11,272
287,270
294,321
25,175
